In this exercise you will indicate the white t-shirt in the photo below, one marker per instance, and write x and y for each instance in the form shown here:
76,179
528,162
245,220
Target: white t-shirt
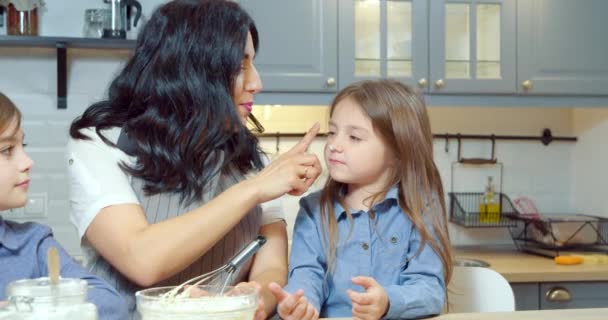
96,180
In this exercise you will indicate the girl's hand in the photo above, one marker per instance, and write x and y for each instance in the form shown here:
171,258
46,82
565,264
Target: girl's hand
371,304
260,313
293,172
293,306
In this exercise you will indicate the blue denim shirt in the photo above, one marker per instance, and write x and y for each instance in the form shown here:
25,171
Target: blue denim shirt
23,255
377,248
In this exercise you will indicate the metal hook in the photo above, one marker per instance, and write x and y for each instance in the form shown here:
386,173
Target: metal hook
278,135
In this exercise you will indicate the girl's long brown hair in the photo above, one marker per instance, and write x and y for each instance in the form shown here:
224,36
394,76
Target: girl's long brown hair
8,113
399,117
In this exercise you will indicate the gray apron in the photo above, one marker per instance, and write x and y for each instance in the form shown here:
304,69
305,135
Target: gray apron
164,206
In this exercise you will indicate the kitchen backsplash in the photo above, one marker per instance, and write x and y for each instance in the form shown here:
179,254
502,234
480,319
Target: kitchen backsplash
561,177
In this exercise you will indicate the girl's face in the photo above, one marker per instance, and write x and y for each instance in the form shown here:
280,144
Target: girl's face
248,82
354,154
15,167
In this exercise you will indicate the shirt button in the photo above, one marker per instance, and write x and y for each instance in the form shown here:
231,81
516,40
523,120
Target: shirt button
393,240
365,246
71,161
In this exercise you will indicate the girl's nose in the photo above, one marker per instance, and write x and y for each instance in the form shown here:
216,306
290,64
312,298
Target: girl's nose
26,163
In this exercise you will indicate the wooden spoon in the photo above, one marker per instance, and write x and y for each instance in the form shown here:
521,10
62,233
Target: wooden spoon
53,265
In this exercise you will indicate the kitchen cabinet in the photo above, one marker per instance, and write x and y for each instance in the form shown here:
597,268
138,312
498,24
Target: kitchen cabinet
472,46
441,46
560,295
380,39
298,44
562,47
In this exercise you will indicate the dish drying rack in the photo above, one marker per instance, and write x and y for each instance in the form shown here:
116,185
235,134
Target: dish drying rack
465,210
554,235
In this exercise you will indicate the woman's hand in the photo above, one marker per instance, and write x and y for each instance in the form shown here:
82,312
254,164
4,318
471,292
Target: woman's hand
371,304
293,306
293,172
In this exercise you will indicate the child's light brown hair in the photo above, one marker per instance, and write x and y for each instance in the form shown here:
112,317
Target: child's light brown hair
8,113
399,117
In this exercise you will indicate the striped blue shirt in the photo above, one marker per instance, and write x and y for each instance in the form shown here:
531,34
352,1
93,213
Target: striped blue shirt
378,248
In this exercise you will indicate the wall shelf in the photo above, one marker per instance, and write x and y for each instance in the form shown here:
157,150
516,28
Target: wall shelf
61,44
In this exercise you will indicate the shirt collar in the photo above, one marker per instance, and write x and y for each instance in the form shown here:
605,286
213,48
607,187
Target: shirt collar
8,239
392,196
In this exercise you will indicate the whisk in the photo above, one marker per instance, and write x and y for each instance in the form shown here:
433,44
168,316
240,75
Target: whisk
228,269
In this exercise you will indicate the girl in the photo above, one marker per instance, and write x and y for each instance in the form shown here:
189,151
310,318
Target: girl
373,243
166,180
24,246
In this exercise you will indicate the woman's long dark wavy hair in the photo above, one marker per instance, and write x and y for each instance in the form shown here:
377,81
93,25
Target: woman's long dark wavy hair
174,97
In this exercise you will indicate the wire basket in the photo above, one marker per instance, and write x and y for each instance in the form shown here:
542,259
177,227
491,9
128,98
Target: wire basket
550,235
467,209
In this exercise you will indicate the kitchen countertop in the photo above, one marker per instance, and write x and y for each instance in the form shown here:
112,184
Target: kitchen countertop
517,266
567,314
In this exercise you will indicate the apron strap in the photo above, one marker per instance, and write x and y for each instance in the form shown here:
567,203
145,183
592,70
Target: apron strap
126,144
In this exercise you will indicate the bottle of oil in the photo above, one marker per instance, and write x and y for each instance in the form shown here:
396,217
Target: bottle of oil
489,207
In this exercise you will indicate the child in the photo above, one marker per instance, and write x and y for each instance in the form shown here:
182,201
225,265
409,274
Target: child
24,246
373,243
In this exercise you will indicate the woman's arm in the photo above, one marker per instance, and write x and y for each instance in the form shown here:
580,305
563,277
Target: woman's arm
270,263
148,253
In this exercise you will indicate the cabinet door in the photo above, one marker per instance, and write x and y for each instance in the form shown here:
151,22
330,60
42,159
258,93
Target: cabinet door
526,296
383,39
472,46
562,47
298,44
568,295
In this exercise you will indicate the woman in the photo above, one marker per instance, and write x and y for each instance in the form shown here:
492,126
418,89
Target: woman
167,182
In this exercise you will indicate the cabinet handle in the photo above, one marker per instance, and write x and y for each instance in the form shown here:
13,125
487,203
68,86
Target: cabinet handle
527,84
558,294
422,83
330,82
439,83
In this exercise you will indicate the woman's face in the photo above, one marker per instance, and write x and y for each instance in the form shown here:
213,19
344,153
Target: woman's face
15,167
247,83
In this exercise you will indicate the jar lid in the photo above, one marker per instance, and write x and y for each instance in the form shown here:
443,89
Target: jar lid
41,287
23,5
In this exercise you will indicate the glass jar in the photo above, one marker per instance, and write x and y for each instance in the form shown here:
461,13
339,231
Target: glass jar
21,23
32,299
95,20
235,304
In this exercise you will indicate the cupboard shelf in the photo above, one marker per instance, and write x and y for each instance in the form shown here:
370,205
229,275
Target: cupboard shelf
61,44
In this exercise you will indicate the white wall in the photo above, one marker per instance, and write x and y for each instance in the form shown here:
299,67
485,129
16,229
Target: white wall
590,159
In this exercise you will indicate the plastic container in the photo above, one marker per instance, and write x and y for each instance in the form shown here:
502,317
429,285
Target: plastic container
239,304
31,299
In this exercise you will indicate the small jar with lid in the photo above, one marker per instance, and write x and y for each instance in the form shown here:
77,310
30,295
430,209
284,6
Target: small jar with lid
37,298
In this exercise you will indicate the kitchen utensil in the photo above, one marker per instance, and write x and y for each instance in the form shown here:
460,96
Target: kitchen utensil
95,20
53,265
120,18
238,303
39,299
225,272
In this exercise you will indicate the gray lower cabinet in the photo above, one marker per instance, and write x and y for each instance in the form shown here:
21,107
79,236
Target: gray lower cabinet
526,296
298,44
560,295
562,47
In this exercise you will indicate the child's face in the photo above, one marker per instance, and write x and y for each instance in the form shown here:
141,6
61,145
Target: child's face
354,154
15,166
